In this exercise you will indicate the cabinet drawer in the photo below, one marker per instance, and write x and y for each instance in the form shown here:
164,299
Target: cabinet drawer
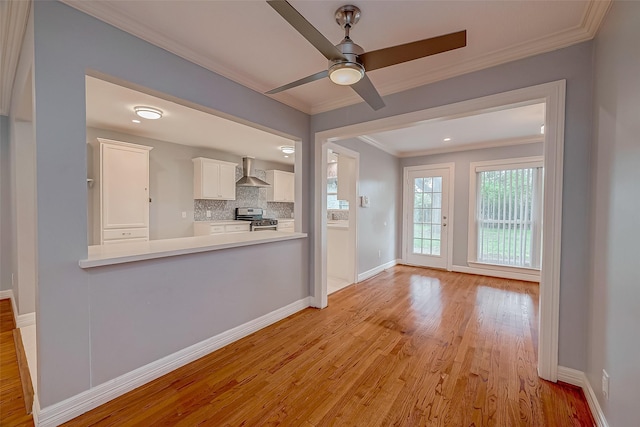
216,229
285,225
235,228
115,241
125,233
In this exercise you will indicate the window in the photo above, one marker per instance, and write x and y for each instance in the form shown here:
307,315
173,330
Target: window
505,208
332,189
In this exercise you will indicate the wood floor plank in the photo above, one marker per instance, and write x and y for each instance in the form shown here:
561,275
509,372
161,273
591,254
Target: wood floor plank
12,401
409,347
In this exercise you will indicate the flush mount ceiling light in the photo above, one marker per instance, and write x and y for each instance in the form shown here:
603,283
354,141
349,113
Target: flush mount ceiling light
346,73
148,112
287,149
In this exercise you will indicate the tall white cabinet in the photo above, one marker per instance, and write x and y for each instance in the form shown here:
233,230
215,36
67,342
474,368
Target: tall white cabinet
124,192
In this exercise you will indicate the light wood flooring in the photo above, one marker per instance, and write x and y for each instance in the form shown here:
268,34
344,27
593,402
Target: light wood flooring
12,404
409,347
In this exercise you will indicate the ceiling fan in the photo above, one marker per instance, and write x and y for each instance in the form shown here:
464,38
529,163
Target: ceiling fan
348,62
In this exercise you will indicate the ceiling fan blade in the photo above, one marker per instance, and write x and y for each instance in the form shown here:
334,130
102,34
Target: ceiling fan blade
408,52
368,92
308,31
308,79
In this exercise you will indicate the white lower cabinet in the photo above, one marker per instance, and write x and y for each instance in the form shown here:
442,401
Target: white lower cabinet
203,228
286,225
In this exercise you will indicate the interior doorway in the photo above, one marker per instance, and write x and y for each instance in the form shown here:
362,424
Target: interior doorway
553,96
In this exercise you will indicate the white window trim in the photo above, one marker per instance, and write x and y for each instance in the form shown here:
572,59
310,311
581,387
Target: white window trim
472,240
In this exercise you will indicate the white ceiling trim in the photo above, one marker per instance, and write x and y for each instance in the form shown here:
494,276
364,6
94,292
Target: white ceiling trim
14,18
375,143
586,30
474,146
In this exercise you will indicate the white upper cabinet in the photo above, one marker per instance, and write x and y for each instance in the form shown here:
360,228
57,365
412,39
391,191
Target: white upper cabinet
214,179
282,186
124,190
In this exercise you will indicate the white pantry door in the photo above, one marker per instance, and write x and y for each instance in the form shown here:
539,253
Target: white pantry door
427,216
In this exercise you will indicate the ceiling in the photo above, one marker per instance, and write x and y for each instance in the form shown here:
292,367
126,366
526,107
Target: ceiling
508,126
248,42
111,107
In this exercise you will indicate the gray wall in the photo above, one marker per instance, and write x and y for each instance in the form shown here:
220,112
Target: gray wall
573,64
614,312
378,225
5,206
170,183
462,159
143,310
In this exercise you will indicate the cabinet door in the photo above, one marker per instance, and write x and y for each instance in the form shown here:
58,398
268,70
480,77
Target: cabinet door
227,182
125,187
210,180
288,186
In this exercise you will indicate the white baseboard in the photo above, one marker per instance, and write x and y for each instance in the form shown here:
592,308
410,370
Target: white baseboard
76,405
24,320
370,273
495,273
579,379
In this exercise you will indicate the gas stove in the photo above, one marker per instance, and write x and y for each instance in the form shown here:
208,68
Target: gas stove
258,223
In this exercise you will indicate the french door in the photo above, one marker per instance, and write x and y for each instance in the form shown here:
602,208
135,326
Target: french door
426,200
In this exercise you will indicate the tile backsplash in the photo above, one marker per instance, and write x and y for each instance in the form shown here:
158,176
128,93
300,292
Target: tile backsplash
251,197
337,214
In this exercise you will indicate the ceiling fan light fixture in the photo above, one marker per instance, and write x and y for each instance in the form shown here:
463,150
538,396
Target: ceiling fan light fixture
148,112
346,73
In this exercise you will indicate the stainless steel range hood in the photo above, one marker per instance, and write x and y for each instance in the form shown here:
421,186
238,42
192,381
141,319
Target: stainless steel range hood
247,179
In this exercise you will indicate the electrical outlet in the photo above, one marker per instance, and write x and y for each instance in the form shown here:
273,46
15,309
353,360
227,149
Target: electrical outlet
184,214
605,384
379,253
208,214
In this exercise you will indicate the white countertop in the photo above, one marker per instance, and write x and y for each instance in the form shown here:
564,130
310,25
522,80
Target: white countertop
120,253
222,222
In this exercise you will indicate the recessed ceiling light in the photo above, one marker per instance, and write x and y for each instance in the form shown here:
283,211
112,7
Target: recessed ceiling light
447,139
286,156
135,121
148,112
287,149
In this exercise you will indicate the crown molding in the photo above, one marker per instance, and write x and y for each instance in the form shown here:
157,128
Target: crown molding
375,143
14,18
475,146
594,13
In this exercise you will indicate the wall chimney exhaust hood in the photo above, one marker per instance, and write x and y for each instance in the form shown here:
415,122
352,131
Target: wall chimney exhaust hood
248,180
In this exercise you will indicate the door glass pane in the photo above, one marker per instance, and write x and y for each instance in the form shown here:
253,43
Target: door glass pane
427,185
417,246
418,200
427,197
435,216
437,200
417,230
426,246
435,247
435,230
437,184
426,231
418,185
418,216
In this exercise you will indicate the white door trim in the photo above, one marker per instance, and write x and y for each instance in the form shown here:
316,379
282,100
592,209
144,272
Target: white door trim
553,94
406,217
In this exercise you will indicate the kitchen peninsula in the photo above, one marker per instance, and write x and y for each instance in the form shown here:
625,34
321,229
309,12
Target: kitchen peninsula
101,255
